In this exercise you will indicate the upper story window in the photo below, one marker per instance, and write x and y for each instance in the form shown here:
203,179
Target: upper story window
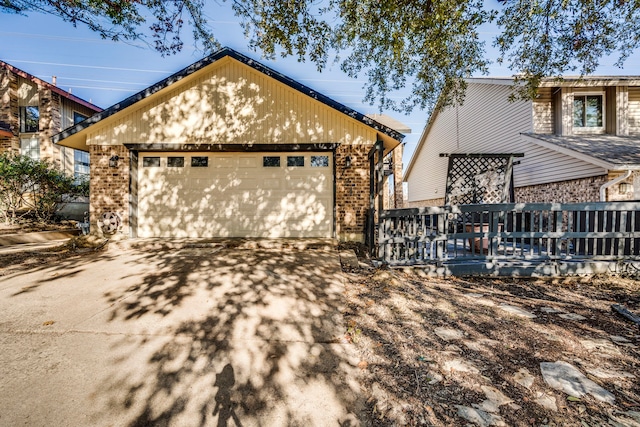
77,117
588,112
29,119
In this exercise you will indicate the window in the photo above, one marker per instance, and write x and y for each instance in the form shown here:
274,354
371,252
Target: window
77,117
319,161
29,119
175,162
30,147
295,161
199,162
588,112
271,161
80,164
151,162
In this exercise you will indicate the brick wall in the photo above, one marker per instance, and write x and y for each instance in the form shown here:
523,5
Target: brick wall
573,191
109,186
398,196
352,191
9,112
632,192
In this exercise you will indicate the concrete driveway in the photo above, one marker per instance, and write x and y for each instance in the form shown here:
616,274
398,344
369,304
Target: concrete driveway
178,337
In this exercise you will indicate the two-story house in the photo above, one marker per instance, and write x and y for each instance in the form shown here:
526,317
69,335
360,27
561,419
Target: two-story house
580,139
32,110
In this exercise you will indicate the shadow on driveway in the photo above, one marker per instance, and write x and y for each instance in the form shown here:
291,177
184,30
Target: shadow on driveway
207,336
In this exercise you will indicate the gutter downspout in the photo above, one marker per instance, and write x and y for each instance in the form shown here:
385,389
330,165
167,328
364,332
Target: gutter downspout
603,187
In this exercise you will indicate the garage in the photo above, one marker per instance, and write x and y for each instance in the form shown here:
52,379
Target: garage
228,147
208,194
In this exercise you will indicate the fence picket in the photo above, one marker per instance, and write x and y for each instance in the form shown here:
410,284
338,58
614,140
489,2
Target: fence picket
535,231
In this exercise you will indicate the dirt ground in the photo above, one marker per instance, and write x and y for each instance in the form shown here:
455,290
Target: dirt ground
450,352
447,352
29,227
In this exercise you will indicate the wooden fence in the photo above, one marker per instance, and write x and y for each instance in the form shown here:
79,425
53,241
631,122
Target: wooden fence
523,231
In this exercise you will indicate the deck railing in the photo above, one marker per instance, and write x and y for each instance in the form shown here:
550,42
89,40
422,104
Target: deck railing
521,231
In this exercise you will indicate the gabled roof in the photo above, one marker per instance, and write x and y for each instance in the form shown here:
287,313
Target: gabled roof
225,52
612,152
52,87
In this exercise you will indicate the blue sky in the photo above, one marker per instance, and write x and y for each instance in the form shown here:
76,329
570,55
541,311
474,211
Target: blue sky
106,72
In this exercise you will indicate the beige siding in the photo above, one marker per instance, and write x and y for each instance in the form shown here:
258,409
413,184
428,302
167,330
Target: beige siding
541,165
634,110
543,111
230,103
27,93
67,109
488,123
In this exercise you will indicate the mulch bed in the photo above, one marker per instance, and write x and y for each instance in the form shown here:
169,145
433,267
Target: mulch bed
412,376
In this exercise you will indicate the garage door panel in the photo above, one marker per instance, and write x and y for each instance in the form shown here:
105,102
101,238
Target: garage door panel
235,196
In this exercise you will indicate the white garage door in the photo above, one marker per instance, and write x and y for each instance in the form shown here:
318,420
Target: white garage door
235,195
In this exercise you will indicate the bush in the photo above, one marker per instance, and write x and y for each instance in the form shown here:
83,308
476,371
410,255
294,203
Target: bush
33,187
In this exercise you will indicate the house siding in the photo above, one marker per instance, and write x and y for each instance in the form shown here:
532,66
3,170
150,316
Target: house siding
230,103
9,112
544,111
484,104
634,111
56,113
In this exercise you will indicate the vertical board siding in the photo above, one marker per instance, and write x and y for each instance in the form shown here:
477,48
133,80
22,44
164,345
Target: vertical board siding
543,111
67,107
610,108
488,123
230,103
634,110
27,93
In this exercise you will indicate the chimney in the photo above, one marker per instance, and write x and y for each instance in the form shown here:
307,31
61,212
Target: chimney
54,80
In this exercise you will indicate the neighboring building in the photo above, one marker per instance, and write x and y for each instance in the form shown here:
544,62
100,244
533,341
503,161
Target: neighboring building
579,137
228,147
32,110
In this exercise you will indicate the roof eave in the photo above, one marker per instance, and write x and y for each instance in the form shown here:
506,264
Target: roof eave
572,153
196,66
50,86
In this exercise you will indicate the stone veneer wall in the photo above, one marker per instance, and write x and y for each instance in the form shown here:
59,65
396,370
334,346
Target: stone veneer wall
9,111
572,191
613,192
352,192
109,186
50,124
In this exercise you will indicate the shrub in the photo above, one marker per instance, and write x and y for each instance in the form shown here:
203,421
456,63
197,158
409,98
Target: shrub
33,187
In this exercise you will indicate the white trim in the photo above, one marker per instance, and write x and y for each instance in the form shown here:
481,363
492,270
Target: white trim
614,181
502,81
589,130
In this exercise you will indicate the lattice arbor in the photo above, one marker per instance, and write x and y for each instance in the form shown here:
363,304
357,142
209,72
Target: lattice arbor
479,179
